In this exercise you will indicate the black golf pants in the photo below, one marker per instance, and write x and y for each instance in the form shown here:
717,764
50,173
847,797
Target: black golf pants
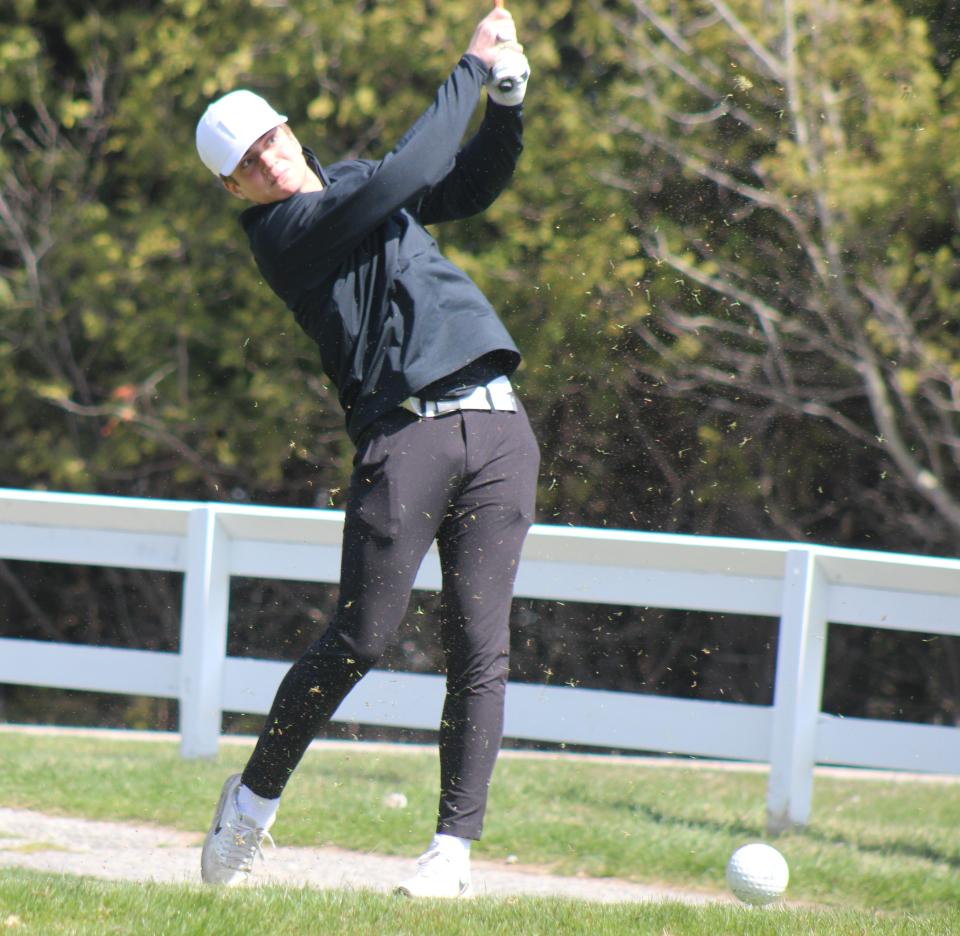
468,481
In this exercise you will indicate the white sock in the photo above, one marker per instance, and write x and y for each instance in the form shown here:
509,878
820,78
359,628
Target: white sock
451,845
260,810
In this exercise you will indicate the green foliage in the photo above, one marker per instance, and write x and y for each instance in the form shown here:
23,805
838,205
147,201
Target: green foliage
220,392
795,199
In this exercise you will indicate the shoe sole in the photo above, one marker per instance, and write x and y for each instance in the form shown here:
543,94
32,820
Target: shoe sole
465,894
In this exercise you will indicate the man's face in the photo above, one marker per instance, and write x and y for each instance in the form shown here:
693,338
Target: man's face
274,168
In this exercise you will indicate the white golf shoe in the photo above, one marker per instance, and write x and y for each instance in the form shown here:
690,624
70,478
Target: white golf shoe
233,841
439,875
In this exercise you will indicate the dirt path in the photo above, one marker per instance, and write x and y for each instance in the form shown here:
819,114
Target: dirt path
132,852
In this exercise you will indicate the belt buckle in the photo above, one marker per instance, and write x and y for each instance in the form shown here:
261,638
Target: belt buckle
501,395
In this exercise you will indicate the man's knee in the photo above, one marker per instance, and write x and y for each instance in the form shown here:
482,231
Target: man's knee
355,654
480,675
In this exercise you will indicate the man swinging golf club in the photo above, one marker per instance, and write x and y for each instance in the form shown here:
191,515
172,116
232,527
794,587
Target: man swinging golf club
444,451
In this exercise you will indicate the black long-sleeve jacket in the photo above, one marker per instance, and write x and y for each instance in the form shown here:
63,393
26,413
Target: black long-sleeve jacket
364,279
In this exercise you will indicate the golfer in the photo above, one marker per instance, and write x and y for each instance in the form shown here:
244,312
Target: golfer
444,451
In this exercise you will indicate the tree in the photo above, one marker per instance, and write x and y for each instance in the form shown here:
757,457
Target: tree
728,255
795,173
143,354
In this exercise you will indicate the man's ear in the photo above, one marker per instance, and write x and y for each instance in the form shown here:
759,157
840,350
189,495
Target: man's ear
232,188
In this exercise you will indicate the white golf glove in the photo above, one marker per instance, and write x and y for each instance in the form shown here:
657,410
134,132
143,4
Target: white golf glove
507,83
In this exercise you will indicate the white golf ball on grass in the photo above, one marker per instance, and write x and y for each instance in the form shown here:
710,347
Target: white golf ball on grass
757,873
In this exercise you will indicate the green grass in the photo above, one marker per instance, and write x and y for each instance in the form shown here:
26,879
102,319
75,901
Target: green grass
57,906
878,857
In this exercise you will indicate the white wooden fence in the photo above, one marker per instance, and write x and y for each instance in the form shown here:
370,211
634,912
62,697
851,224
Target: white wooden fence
803,586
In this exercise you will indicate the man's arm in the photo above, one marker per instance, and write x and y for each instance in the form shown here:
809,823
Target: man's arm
427,153
482,170
332,222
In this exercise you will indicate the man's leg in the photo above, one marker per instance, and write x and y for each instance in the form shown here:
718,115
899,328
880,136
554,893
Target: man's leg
480,542
401,484
402,481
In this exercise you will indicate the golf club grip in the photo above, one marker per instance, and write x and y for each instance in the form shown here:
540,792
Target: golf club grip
507,84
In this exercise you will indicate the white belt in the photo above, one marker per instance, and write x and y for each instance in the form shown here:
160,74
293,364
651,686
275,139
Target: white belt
496,395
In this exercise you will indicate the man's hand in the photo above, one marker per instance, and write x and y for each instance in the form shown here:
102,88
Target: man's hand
494,33
507,83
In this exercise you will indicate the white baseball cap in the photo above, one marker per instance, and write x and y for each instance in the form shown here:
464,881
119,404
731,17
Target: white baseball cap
230,126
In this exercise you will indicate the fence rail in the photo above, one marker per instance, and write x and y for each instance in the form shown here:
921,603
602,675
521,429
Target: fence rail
803,587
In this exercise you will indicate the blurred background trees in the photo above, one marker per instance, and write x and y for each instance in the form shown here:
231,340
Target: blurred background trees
729,255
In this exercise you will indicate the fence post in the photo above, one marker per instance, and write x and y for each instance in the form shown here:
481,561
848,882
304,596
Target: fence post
801,650
203,634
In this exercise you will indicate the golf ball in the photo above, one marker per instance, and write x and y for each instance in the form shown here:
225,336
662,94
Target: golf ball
757,873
